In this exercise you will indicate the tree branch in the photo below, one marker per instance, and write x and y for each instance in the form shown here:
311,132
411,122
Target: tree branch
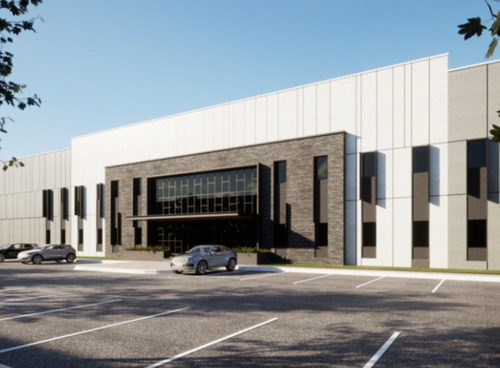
491,9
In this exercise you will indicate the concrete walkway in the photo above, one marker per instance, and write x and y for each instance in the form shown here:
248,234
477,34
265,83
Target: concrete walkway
149,268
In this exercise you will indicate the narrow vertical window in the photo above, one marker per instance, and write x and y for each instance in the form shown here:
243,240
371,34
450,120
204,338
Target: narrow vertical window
368,188
115,214
64,204
477,200
420,206
79,201
136,204
321,205
136,196
48,204
280,205
48,212
64,210
80,213
99,215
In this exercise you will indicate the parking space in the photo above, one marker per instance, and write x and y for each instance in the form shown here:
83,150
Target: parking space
53,316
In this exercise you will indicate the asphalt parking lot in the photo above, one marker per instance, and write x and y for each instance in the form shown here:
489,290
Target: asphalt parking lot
54,316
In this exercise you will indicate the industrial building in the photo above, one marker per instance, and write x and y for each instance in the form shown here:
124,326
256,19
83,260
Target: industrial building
388,167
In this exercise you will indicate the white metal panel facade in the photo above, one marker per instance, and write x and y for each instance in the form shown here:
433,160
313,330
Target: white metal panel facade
420,103
438,247
385,234
402,232
380,110
21,197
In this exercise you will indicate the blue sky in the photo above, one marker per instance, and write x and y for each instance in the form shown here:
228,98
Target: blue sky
102,64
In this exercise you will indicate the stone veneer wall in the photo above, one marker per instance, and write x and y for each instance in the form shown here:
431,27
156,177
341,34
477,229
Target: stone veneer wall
299,155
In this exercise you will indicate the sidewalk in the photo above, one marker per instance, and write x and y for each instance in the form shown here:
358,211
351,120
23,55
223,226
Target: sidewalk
116,266
151,268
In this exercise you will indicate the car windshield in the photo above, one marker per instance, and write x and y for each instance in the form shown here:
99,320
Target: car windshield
201,249
5,246
43,247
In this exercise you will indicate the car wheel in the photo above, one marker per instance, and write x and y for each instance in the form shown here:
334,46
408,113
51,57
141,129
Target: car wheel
231,265
70,258
2,257
37,259
201,268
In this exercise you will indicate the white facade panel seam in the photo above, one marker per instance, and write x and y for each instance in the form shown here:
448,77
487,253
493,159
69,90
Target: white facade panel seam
429,82
377,107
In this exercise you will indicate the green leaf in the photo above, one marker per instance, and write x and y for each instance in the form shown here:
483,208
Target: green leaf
491,48
13,162
471,28
495,27
495,132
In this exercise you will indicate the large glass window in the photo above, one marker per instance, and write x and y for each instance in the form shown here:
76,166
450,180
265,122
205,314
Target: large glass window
213,192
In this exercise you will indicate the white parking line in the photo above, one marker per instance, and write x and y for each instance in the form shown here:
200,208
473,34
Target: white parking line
382,350
166,361
369,282
32,298
259,276
91,330
59,310
314,278
438,286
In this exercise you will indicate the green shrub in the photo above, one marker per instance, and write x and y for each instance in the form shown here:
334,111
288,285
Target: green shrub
250,250
150,248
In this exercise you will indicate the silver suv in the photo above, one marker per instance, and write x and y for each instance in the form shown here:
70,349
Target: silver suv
48,252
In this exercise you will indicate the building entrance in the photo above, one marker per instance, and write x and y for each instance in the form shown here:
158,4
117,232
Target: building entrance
182,236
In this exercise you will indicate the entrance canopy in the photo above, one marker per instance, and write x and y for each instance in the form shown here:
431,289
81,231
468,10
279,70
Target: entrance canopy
193,217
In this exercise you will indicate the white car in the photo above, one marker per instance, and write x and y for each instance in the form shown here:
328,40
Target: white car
204,257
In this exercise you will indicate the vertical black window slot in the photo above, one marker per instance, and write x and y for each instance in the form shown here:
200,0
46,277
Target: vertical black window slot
477,200
115,214
64,204
280,204
321,205
368,195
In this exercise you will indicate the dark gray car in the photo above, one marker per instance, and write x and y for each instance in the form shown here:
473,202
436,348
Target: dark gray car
11,250
204,257
48,252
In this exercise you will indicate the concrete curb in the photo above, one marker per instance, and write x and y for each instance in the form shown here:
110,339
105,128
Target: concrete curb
152,268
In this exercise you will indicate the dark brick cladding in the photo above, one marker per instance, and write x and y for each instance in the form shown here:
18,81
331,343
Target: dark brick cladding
299,154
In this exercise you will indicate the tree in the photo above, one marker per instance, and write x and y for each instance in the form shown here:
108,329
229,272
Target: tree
475,27
11,93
